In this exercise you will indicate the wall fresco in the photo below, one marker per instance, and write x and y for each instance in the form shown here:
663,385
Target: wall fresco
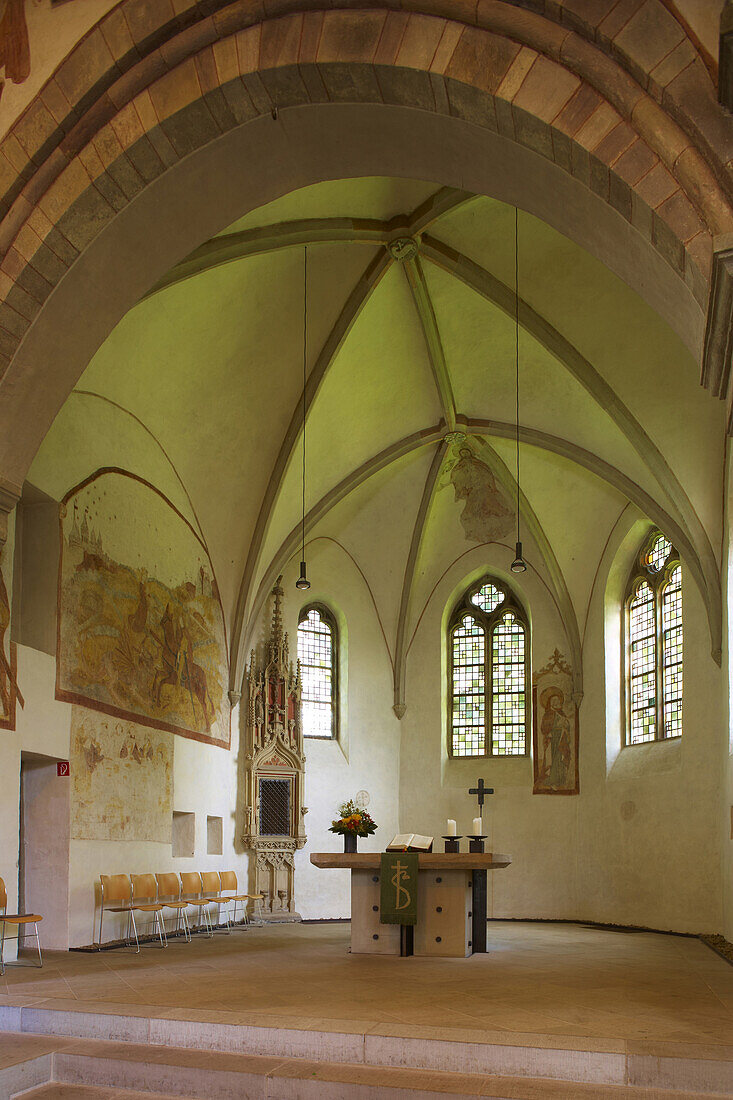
141,630
486,515
555,729
8,664
122,778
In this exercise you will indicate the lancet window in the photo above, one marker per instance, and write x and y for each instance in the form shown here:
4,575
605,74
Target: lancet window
653,644
488,669
318,656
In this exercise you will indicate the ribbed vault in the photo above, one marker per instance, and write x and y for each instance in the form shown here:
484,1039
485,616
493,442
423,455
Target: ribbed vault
411,352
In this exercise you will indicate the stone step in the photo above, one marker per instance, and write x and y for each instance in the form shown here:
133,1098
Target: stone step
600,1061
91,1069
56,1090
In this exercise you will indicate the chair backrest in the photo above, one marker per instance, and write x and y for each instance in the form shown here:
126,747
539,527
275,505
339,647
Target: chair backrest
169,885
116,888
211,882
190,882
144,886
228,880
3,896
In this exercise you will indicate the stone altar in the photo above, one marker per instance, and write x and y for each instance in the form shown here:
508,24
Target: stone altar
444,906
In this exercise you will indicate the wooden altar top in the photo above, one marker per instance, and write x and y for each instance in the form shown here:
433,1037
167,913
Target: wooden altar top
427,861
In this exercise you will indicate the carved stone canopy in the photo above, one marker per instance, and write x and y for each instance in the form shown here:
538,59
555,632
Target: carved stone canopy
274,764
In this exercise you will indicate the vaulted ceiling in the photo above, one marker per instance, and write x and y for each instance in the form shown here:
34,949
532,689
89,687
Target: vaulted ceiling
410,339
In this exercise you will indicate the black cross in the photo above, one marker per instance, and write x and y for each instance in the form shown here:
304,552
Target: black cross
480,791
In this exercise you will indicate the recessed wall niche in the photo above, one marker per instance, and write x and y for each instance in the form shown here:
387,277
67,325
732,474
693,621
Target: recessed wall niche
214,836
184,834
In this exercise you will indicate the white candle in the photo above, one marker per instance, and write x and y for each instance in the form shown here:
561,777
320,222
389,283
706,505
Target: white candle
451,827
478,829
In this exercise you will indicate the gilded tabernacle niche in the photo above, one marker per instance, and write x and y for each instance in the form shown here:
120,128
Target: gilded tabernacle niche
274,771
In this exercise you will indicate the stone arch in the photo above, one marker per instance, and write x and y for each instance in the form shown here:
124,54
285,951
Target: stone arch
141,110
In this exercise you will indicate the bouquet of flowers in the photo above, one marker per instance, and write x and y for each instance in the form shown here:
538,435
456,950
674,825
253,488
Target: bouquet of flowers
353,821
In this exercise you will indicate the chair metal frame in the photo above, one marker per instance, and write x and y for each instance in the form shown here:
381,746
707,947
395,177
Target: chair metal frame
170,899
120,888
22,920
198,900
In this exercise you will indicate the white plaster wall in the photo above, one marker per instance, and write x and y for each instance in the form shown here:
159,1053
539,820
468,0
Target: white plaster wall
366,756
538,832
205,783
649,815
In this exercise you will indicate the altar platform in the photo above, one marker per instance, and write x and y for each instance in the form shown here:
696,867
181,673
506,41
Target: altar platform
553,1010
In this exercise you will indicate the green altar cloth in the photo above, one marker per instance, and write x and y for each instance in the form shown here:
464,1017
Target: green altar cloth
398,888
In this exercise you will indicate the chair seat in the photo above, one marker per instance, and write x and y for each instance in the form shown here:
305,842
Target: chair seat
235,897
20,918
174,904
202,901
154,908
256,897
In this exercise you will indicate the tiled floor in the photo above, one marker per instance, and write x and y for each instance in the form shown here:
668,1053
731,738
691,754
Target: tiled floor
544,979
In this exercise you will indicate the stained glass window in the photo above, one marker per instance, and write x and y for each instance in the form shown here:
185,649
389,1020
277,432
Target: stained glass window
317,653
672,653
642,666
488,675
488,597
469,698
654,645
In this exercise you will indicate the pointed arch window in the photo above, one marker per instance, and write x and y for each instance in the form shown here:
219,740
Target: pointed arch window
653,644
318,657
488,672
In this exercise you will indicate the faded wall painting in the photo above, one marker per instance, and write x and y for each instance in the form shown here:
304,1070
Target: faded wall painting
122,777
555,729
486,515
15,54
141,632
9,694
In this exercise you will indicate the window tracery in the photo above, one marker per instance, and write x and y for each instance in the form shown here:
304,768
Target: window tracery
488,674
653,644
318,657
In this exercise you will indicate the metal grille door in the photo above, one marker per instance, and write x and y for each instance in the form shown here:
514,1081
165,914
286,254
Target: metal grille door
274,807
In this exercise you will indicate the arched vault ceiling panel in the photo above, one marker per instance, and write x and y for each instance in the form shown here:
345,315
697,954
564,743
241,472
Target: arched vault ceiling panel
576,510
375,525
372,197
632,348
378,390
479,343
213,367
89,433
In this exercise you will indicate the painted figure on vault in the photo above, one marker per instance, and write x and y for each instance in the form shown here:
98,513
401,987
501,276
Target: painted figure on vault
486,516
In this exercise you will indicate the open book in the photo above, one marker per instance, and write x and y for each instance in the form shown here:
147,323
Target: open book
410,842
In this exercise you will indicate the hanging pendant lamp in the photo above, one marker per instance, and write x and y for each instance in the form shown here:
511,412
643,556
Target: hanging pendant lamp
518,565
302,581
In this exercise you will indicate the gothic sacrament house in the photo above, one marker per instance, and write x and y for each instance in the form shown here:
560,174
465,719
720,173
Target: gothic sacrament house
274,771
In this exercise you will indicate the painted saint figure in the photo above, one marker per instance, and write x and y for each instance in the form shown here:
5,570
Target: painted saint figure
486,516
555,729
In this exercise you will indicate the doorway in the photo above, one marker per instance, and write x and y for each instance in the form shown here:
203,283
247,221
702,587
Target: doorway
43,867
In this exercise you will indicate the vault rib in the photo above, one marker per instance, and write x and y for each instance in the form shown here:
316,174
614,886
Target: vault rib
351,310
421,520
230,247
559,588
330,499
415,276
491,288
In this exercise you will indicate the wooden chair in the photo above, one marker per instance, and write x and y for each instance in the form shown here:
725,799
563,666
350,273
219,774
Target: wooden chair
211,882
145,900
229,882
117,897
192,891
21,920
169,895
